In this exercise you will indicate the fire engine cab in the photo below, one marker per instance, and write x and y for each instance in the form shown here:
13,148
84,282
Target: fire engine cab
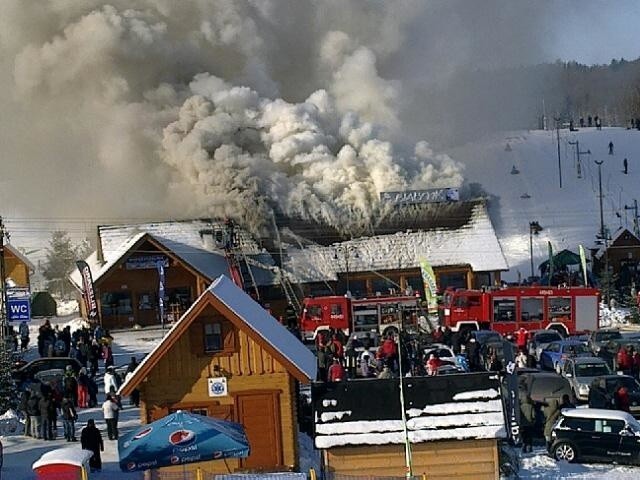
379,314
506,310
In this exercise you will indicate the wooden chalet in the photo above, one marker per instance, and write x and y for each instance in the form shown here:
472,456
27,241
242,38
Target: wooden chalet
228,358
622,254
454,424
127,283
17,266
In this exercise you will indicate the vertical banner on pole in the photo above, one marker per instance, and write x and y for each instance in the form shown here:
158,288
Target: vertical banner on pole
550,262
583,262
160,267
88,292
430,285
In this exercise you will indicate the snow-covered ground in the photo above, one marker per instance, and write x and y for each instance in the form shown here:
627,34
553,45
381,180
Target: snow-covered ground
20,452
569,215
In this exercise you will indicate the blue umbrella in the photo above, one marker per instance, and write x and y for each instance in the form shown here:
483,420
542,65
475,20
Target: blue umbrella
180,438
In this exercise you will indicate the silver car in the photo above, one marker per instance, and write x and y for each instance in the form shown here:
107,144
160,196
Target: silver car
581,371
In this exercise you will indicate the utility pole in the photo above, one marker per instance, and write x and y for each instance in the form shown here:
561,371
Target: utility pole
603,233
3,285
578,153
599,163
558,139
636,227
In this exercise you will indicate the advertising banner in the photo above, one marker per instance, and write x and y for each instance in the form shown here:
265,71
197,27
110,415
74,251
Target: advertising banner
88,292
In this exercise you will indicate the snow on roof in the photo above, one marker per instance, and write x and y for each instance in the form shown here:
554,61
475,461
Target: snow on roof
249,312
267,327
600,413
454,408
69,456
474,244
196,233
21,256
209,263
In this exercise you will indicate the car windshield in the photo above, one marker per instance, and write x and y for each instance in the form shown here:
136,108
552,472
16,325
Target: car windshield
605,336
575,348
591,369
548,337
487,337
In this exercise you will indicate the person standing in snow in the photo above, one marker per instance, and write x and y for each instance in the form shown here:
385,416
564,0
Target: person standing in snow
625,166
610,148
110,381
110,411
24,336
91,440
69,417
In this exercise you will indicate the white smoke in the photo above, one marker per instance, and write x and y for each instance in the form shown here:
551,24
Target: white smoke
157,108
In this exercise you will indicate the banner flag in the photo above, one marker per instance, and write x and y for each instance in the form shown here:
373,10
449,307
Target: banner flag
88,292
160,267
550,262
583,262
430,285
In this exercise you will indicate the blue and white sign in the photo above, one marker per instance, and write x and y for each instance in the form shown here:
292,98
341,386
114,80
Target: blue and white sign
218,387
18,304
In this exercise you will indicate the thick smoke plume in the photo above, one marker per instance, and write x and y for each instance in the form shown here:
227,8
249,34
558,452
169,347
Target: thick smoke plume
158,108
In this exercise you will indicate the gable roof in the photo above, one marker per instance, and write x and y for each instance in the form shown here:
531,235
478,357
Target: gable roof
474,243
616,236
209,264
247,315
20,256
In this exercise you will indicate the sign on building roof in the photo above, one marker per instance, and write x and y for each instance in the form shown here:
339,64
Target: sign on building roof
431,195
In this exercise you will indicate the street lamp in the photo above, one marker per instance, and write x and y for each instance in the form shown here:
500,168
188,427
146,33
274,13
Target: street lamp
534,229
347,251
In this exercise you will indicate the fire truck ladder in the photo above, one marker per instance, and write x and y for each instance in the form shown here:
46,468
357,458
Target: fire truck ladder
287,287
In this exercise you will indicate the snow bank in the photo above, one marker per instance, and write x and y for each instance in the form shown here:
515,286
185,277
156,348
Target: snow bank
613,316
449,408
66,307
475,394
10,424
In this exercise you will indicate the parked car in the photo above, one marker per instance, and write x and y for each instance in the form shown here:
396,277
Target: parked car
44,369
602,336
554,354
499,349
543,387
485,336
611,382
540,339
596,434
581,371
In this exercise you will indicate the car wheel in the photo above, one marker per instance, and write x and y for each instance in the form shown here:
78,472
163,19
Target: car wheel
565,451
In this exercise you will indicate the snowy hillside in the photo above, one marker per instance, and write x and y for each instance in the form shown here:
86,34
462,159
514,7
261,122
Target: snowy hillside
569,215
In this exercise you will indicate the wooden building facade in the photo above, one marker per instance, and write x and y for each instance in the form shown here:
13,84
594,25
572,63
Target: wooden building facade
622,255
454,423
229,359
17,266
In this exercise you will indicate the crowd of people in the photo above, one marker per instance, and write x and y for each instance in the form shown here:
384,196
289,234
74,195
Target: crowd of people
44,404
340,358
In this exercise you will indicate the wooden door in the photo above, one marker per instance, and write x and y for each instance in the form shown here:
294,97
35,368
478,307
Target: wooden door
259,413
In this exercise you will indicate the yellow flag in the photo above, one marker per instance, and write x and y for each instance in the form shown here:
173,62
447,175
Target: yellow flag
430,285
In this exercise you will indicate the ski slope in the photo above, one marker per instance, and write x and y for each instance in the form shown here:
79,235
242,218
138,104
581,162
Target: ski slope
569,215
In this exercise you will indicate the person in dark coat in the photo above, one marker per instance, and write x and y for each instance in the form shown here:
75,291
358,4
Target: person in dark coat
598,397
566,402
625,166
91,439
69,417
93,392
527,422
45,425
473,352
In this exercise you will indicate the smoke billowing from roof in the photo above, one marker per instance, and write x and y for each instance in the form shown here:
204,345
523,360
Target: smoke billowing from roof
141,108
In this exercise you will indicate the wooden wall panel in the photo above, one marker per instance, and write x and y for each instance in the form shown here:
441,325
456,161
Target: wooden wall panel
456,459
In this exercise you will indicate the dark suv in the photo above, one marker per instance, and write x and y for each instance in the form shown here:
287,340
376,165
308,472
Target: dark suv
596,434
44,368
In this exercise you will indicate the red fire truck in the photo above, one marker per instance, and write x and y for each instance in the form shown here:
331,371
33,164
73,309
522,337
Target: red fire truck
506,310
379,314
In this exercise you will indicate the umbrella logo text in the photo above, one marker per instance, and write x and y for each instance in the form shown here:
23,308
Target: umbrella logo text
182,437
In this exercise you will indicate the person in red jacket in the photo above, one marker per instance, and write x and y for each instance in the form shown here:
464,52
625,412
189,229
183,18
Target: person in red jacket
433,364
624,360
621,398
522,335
336,371
335,347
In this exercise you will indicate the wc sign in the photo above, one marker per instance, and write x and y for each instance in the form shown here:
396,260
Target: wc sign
18,305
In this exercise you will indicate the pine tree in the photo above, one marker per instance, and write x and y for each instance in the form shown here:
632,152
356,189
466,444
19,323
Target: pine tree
8,391
608,286
61,258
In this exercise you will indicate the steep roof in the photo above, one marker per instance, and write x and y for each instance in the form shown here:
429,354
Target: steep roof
247,315
474,243
21,256
622,232
448,407
209,264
